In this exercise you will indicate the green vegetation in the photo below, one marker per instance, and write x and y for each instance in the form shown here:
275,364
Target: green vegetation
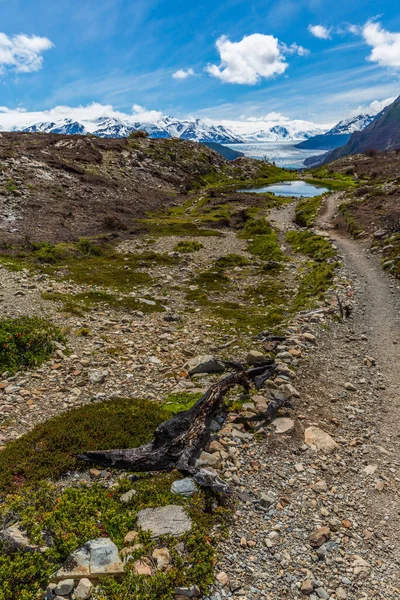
159,227
179,401
234,176
391,260
26,342
188,246
314,246
352,225
50,449
263,240
78,514
86,262
72,517
334,180
306,211
78,304
313,283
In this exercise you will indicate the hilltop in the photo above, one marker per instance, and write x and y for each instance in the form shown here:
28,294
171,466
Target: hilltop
59,187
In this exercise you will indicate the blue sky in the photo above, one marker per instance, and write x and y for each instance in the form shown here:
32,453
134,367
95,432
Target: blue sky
201,58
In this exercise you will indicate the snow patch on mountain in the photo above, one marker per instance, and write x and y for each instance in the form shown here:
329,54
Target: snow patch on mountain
351,125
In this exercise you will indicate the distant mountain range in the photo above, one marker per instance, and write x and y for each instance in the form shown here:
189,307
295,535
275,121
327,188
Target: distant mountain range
310,135
165,127
338,135
197,130
382,133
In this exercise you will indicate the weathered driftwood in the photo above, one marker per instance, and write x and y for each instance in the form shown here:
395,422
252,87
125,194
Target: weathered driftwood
178,442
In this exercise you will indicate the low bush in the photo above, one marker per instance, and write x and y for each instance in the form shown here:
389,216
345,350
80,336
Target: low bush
26,342
188,246
51,448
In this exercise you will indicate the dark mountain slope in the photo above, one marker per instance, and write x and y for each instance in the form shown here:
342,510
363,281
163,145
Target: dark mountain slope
382,134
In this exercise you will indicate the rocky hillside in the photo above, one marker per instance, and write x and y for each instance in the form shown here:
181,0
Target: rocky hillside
60,187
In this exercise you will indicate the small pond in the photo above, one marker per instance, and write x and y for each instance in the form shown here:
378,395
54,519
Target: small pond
299,189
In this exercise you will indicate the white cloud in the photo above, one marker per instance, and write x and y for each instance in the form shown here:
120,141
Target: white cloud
22,53
374,107
255,57
385,45
183,73
320,32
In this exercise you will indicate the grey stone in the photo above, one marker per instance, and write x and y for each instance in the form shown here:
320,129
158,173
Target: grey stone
97,558
64,587
321,593
127,497
15,539
170,520
283,425
96,376
204,363
209,460
83,590
184,487
254,357
192,592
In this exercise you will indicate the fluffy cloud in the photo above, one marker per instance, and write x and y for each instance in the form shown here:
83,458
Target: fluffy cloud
374,107
320,32
183,74
385,45
22,53
255,57
18,117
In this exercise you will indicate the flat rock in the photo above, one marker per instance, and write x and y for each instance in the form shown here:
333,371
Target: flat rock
254,357
168,520
184,487
64,587
95,559
319,439
204,363
283,425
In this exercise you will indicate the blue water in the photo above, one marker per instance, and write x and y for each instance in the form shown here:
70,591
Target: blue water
298,189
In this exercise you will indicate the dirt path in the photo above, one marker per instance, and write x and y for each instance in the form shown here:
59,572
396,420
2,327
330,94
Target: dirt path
289,491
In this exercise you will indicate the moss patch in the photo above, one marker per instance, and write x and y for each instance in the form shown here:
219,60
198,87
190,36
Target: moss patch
26,342
314,246
50,449
180,401
306,211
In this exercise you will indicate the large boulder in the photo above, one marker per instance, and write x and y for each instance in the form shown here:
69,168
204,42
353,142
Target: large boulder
96,559
168,520
205,363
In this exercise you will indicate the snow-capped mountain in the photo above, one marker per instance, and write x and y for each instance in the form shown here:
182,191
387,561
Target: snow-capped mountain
274,132
65,126
351,125
198,130
165,127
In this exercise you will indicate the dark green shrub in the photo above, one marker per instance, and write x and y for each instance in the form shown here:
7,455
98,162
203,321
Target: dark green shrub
188,246
51,448
26,342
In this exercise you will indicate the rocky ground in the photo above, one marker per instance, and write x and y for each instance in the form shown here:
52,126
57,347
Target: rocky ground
315,516
323,523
